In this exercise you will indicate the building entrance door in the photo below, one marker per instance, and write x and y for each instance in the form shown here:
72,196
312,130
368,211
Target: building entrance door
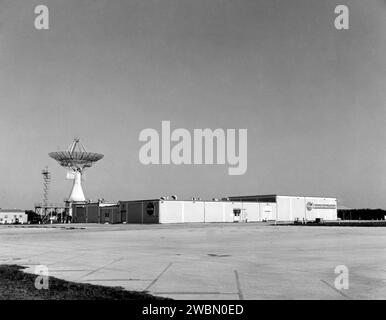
107,217
267,213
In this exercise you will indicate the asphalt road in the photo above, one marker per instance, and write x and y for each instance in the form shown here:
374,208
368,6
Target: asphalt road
208,261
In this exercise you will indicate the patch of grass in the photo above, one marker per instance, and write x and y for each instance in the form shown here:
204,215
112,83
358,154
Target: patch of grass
18,285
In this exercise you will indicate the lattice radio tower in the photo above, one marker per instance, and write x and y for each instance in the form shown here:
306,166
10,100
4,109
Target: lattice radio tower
46,186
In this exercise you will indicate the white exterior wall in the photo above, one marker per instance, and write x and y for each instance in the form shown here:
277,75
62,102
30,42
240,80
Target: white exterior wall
174,211
251,211
194,211
267,210
286,208
292,208
171,212
214,212
325,208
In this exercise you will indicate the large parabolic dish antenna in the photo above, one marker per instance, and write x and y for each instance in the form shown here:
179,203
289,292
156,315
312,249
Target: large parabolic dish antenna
76,159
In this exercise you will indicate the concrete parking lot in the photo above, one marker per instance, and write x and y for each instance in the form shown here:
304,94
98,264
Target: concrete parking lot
207,261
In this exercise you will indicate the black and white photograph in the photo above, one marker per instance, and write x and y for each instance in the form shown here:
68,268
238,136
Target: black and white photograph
192,156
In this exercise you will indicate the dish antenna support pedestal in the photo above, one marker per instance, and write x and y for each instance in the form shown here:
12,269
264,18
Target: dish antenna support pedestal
77,194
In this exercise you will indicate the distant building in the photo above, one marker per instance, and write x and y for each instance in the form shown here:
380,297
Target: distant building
9,216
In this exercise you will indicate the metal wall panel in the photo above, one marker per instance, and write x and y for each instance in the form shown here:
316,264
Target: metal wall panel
78,214
267,211
92,213
251,211
193,211
171,212
116,215
298,208
284,209
214,211
133,211
290,208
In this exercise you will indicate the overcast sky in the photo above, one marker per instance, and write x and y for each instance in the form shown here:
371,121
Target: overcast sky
312,98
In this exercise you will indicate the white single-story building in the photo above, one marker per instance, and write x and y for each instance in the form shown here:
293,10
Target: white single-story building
9,216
